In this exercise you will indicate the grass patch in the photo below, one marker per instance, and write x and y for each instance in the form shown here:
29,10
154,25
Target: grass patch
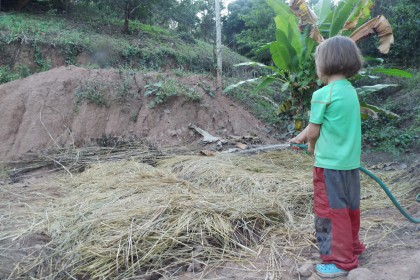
108,47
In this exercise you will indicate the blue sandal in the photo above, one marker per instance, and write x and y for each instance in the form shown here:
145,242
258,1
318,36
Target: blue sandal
329,270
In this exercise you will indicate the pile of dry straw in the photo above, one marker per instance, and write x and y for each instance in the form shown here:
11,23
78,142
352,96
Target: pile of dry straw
127,218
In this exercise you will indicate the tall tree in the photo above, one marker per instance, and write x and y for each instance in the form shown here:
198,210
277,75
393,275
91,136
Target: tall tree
124,8
62,5
206,27
130,6
403,15
249,25
185,15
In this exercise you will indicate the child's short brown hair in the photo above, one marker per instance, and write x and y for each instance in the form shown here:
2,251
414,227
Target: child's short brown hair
338,55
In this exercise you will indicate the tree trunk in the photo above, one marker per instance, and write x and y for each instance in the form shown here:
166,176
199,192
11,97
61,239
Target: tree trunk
218,48
21,4
63,6
126,17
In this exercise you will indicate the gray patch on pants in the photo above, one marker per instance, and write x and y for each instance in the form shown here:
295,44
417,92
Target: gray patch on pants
323,235
343,188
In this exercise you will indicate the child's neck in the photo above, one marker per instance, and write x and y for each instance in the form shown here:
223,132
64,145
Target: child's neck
334,78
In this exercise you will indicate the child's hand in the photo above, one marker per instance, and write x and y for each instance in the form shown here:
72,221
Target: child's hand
295,140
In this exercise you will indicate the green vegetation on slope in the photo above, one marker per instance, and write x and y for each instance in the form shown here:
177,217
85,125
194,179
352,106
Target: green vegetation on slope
396,136
148,47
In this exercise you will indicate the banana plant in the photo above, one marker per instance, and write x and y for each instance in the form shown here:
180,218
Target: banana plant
298,31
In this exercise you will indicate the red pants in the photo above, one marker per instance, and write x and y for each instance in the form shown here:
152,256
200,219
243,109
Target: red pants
337,216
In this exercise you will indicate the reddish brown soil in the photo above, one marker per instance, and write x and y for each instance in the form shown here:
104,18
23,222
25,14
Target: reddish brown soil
39,112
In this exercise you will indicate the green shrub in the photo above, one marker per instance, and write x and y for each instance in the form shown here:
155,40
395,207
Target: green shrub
91,92
7,75
263,105
23,70
123,89
388,135
43,64
161,91
155,90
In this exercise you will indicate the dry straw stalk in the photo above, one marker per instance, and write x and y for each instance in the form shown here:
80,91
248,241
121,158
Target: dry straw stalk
128,219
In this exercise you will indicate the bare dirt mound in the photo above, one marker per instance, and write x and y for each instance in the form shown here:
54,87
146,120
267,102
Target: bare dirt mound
70,106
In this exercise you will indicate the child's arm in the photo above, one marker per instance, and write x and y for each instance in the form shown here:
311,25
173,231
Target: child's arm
310,134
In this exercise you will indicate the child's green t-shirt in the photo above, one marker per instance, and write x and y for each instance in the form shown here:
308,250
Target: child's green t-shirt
336,108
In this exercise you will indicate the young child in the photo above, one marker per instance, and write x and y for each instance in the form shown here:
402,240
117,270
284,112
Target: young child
334,136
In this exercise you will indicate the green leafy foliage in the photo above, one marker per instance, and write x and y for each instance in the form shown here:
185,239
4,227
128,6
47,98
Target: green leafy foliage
403,16
263,105
149,47
7,75
124,87
159,96
293,62
387,135
393,72
23,71
295,43
187,17
363,90
42,63
248,26
161,91
92,92
390,134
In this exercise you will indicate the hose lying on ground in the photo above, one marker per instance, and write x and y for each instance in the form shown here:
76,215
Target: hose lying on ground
389,194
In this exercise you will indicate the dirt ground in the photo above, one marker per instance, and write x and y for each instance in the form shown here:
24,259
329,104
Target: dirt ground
40,113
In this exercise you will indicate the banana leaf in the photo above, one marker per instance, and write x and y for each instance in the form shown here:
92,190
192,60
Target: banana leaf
393,72
324,10
378,26
231,87
253,63
307,17
283,54
375,109
369,89
341,14
360,13
266,80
